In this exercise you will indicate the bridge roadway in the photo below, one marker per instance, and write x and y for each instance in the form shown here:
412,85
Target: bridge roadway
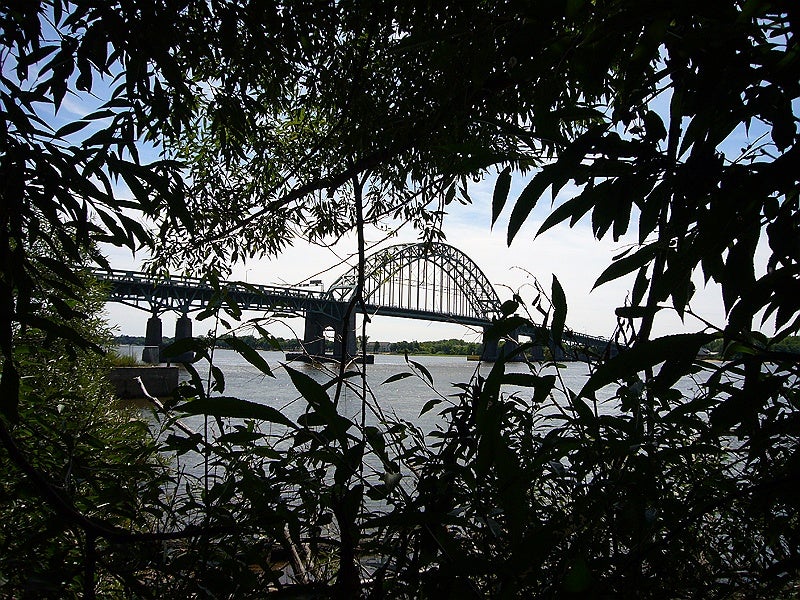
186,294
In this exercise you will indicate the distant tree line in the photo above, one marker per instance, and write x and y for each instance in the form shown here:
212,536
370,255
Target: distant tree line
451,347
790,344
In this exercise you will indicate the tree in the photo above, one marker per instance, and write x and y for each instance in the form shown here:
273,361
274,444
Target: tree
318,118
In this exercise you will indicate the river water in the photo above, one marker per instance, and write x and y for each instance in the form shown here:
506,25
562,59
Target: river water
404,398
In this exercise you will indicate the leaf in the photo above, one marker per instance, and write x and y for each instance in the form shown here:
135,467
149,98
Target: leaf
311,390
626,265
504,326
573,208
397,377
585,414
429,405
559,310
423,370
542,385
521,379
71,128
179,347
639,286
241,438
642,356
527,202
509,307
654,126
219,379
249,354
451,193
501,189
636,312
318,399
225,406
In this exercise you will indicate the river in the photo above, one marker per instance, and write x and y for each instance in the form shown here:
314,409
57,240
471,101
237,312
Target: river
404,398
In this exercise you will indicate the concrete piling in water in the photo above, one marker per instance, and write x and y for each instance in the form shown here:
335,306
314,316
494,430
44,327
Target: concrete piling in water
152,341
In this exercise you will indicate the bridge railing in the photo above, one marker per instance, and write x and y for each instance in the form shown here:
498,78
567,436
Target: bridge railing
140,278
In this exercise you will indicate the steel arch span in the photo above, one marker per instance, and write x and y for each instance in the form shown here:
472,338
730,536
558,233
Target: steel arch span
423,278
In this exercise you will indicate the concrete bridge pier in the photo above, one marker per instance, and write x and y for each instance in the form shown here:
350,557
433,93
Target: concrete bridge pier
314,335
345,349
557,352
492,350
489,352
316,323
152,340
183,330
537,353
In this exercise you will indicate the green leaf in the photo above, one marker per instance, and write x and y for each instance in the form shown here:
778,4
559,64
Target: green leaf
249,354
225,406
501,188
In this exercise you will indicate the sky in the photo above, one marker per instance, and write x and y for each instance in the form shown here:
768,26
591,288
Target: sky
573,255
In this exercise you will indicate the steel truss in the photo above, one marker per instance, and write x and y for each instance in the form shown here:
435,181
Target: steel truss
423,278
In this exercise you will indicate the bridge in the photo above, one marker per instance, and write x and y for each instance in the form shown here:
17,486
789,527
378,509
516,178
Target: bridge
433,282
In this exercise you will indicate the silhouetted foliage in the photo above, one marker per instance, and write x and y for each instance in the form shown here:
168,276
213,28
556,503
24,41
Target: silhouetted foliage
271,120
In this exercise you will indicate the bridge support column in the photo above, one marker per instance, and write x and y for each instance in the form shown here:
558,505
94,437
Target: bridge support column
314,336
537,353
492,350
345,349
489,352
511,344
183,330
152,341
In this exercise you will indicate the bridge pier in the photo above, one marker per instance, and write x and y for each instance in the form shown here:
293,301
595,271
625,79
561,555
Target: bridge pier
183,330
492,351
557,352
152,341
314,335
489,352
537,353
